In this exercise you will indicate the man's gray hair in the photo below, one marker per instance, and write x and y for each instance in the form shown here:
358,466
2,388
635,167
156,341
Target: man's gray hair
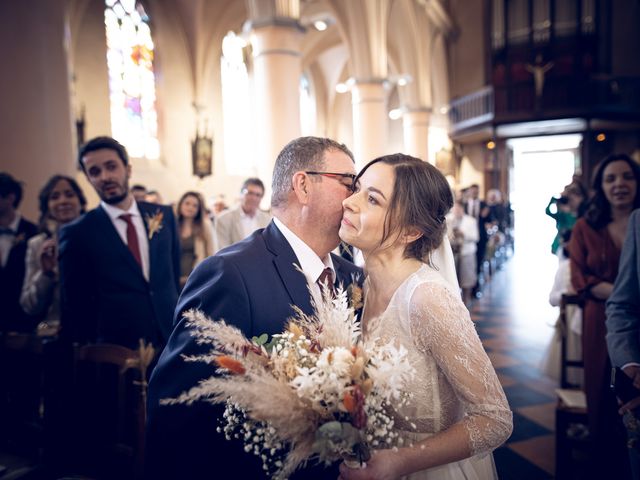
301,154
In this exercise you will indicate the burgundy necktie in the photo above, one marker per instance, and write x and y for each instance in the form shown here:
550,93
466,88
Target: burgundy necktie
132,238
325,280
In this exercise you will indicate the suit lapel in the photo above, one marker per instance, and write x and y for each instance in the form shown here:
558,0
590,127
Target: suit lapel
284,259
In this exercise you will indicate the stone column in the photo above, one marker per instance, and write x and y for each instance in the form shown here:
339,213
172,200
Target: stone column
35,118
415,125
369,121
277,68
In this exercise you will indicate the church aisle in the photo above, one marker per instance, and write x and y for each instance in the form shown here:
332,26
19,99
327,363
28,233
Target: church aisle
514,322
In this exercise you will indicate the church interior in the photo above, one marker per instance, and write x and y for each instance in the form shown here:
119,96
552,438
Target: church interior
518,97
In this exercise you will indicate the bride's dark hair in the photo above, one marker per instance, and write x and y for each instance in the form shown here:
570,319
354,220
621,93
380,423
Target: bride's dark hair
421,198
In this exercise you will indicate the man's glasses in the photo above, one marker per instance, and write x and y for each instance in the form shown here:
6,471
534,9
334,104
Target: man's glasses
345,179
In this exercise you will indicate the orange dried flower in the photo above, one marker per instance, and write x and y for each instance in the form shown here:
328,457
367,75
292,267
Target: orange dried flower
349,401
230,364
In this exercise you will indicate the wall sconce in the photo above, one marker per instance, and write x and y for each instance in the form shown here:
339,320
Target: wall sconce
397,80
319,22
344,87
397,113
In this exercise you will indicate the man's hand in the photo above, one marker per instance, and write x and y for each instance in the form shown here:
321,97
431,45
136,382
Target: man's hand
629,406
633,372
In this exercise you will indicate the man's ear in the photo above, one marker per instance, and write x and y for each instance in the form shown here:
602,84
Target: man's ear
300,183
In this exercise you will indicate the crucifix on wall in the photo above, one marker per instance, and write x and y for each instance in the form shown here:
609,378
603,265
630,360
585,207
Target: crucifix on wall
539,70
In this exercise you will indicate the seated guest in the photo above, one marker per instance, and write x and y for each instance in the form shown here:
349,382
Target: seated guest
196,241
15,232
61,201
238,223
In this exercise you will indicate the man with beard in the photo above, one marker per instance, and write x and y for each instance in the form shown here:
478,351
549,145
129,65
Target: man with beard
119,263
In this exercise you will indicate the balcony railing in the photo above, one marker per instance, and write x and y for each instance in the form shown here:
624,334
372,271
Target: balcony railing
473,109
606,96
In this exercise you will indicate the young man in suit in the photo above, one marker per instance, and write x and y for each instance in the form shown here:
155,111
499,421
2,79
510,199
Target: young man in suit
119,263
15,231
253,285
240,222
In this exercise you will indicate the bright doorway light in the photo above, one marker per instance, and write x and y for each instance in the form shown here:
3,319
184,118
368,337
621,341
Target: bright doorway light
542,166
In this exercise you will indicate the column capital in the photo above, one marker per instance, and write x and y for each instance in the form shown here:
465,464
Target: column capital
276,39
282,22
367,92
368,81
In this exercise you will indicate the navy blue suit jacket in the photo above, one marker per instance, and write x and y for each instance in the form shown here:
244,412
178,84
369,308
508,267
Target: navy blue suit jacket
104,295
253,285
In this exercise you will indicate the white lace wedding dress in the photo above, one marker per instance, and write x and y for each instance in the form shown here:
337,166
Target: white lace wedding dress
455,381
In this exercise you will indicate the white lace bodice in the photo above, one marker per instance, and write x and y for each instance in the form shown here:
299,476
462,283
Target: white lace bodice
455,381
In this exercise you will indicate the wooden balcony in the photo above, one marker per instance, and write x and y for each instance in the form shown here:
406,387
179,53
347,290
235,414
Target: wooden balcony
598,97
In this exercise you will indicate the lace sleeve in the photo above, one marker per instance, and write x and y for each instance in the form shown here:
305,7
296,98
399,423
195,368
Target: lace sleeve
442,328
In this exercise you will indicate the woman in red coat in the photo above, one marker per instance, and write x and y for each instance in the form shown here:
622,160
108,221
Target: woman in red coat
595,247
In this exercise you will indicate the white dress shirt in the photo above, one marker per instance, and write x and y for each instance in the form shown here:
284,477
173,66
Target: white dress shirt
248,224
312,266
121,227
7,241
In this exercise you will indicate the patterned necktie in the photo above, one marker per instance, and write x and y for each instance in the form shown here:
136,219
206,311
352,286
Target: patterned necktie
325,280
132,238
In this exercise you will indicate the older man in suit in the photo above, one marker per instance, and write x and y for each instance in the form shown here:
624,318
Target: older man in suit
240,222
119,264
15,231
623,326
254,285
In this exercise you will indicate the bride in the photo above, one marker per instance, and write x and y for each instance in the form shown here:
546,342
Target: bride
458,412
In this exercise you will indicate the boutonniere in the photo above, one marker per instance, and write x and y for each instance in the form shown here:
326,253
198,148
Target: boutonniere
18,239
154,223
354,293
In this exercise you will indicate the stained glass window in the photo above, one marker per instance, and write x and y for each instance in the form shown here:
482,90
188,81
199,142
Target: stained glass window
132,93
